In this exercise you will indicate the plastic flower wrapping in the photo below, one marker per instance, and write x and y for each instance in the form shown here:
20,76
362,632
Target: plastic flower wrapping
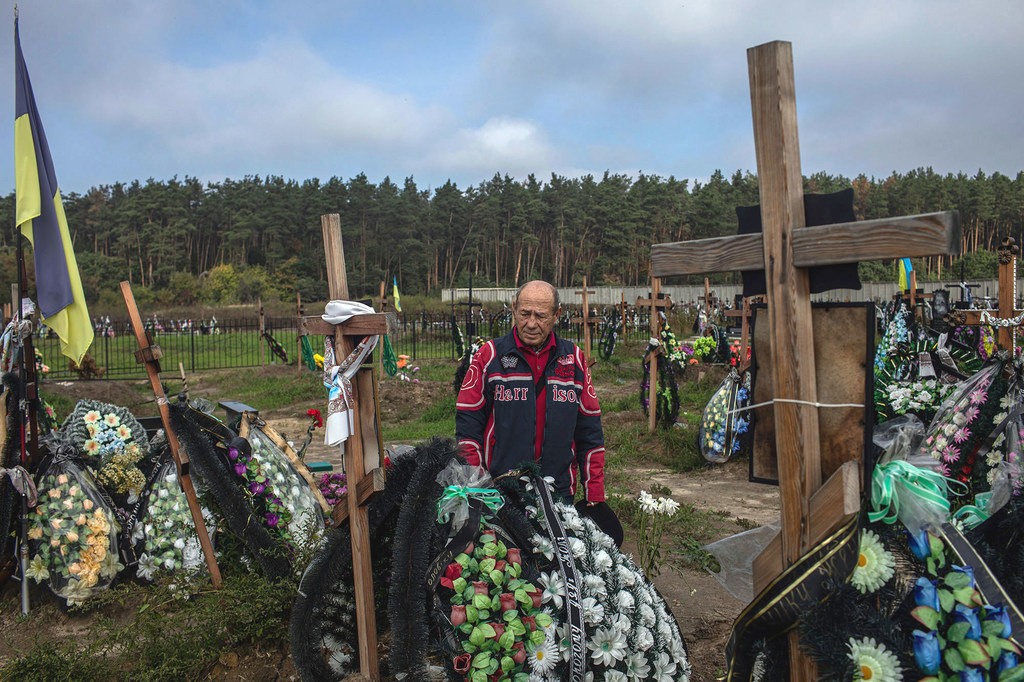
506,605
721,425
303,512
166,532
954,421
72,533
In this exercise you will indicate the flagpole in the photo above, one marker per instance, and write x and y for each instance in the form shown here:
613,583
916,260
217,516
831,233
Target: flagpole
21,413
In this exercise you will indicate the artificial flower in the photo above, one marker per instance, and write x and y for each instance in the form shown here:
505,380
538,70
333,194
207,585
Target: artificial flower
963,614
873,661
607,646
552,587
544,657
636,666
927,653
875,565
664,668
593,611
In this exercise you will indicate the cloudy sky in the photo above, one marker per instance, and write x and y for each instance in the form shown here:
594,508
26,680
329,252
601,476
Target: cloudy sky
462,89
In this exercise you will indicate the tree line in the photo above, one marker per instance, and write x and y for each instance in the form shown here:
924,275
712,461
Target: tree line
182,241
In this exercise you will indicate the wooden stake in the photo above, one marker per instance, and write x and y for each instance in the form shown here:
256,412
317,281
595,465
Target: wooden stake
150,354
655,302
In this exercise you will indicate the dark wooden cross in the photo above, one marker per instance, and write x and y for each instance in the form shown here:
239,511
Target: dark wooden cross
784,250
299,312
1008,317
364,471
149,354
744,314
586,320
709,298
655,302
263,330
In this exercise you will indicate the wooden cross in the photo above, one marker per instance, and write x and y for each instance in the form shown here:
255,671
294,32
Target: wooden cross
263,330
1008,310
744,314
709,297
586,320
150,354
654,303
299,312
784,250
363,451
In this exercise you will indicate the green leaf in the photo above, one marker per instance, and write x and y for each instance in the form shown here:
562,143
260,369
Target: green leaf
492,667
509,615
468,592
537,637
487,565
485,614
490,549
1014,674
457,599
469,647
466,628
521,595
991,628
472,614
487,629
496,602
502,550
957,632
479,676
476,637
462,560
459,584
517,569
946,601
481,601
517,627
926,616
543,619
967,596
955,580
954,661
973,652
515,584
482,660
506,640
507,663
522,677
497,577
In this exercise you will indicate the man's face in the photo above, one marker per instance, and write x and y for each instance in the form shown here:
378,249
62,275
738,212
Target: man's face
535,315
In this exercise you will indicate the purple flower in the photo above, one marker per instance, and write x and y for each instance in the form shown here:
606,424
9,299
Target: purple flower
962,614
233,453
926,594
927,654
240,468
256,487
272,519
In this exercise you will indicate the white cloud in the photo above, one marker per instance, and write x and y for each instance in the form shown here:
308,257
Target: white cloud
506,145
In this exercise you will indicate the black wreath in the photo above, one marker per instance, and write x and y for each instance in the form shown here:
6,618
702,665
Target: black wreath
275,347
609,335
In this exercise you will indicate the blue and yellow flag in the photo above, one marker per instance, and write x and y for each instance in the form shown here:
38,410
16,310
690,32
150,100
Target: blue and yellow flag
905,270
40,214
398,299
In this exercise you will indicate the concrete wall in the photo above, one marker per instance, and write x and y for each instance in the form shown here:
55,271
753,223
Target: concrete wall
606,295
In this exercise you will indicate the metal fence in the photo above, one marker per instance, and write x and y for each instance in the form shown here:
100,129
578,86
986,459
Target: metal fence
211,344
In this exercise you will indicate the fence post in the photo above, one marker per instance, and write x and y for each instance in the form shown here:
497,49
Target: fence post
192,347
106,351
414,338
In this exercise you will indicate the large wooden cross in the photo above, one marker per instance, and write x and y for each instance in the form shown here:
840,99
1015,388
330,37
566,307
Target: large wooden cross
655,302
784,250
1008,314
363,471
586,320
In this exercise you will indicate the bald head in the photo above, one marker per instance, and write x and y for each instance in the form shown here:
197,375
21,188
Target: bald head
536,309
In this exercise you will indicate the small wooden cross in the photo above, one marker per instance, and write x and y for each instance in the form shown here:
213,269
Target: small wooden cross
1008,310
363,471
784,250
263,330
710,300
150,354
299,312
654,303
586,320
744,314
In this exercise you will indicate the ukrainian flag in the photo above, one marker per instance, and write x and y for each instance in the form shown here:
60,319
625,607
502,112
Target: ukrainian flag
905,269
398,299
40,214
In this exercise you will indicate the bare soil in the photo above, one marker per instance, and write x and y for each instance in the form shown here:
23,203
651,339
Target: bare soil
704,609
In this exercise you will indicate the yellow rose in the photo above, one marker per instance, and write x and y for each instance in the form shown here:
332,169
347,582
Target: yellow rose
62,479
91,579
81,520
54,493
63,550
68,503
56,523
87,504
55,542
35,533
75,568
72,536
99,552
73,490
92,539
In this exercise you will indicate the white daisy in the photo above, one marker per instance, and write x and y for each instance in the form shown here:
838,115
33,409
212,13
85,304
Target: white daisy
874,566
607,646
544,657
667,506
873,661
664,668
542,545
648,504
552,588
624,600
614,676
594,585
593,611
636,666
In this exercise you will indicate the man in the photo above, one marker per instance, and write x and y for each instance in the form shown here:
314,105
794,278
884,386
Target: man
528,396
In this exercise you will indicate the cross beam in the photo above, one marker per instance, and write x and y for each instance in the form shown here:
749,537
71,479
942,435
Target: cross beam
1008,310
784,250
586,320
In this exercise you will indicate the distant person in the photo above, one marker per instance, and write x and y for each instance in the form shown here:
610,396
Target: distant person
528,397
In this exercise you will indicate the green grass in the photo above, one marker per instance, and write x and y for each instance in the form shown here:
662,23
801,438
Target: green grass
262,391
438,418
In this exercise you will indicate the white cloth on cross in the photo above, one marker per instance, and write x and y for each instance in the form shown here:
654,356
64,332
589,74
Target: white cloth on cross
340,421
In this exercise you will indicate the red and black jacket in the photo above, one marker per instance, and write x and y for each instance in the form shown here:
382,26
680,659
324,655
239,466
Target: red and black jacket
496,418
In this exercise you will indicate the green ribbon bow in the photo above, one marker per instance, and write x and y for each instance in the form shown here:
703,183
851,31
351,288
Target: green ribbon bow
930,489
973,515
489,496
390,361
